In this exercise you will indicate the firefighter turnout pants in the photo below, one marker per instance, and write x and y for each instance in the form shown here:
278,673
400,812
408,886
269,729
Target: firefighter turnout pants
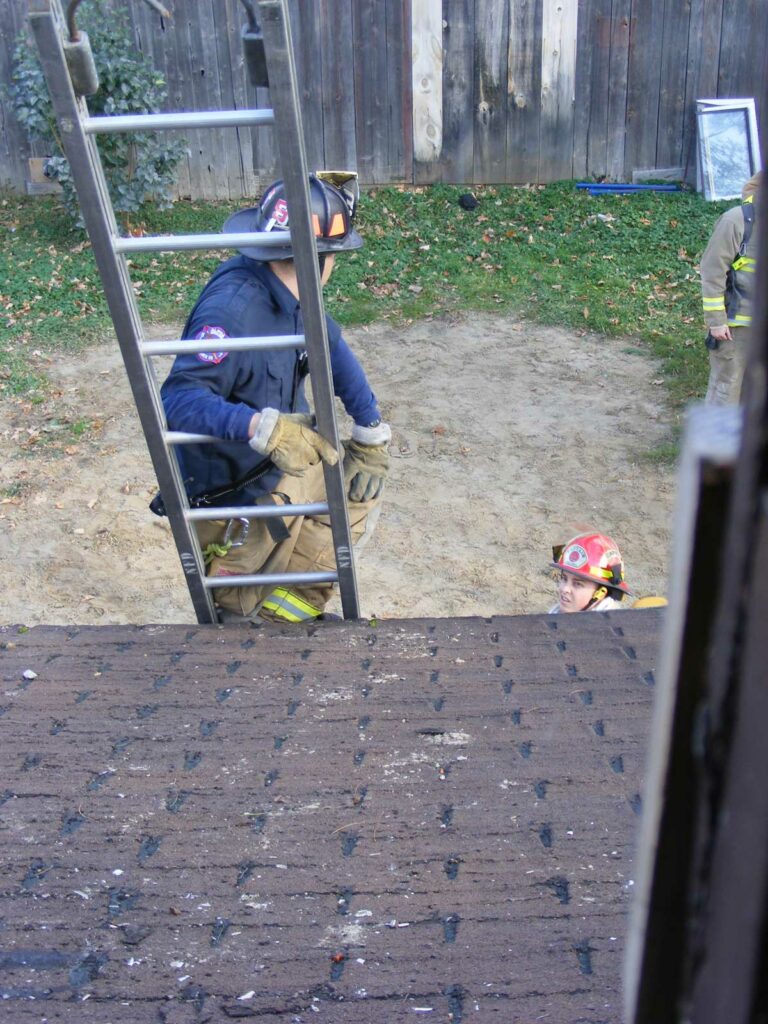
726,368
308,548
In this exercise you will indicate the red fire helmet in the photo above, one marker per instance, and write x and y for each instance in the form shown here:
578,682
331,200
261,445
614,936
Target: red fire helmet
594,557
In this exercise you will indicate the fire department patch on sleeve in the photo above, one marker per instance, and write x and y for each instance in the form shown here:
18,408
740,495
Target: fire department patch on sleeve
209,333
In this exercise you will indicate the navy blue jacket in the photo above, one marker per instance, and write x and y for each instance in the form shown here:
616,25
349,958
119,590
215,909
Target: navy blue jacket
217,393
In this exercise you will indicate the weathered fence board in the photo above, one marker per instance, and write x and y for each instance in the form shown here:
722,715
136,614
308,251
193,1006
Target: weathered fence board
742,44
427,81
558,85
379,79
457,156
702,77
306,32
14,150
617,91
501,91
336,51
643,83
524,90
491,31
674,55
590,115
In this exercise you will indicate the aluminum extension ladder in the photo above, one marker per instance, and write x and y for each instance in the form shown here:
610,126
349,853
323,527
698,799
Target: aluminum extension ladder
77,130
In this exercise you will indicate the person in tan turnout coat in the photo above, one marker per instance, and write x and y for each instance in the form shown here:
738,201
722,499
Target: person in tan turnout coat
727,287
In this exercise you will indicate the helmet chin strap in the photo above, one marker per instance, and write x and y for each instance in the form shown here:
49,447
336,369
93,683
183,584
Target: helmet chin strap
598,595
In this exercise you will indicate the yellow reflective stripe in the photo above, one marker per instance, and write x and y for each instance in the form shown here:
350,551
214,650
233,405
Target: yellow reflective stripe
739,319
281,613
285,604
602,574
718,303
746,263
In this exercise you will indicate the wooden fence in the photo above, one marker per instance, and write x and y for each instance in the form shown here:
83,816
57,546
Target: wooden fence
464,91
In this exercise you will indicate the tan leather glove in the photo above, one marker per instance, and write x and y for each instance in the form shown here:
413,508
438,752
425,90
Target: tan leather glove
290,441
366,466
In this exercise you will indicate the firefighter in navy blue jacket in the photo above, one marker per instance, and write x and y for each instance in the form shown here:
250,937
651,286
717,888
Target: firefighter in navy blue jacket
254,401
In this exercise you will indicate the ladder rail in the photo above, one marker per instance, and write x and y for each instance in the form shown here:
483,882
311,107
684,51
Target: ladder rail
284,94
47,23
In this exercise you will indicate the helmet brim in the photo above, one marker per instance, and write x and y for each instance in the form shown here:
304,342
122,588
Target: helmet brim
246,221
592,579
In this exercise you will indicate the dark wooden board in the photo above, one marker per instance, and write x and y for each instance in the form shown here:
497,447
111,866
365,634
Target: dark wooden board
490,90
701,79
592,78
617,91
336,56
674,66
643,84
361,820
524,113
456,163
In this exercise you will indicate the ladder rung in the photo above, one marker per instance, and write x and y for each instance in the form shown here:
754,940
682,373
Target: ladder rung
298,579
315,508
191,119
179,437
170,348
174,243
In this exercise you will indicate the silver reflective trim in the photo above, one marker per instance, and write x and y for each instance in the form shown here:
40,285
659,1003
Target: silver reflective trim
193,119
270,579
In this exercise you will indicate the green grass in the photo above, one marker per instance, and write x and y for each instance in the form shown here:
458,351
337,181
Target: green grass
615,265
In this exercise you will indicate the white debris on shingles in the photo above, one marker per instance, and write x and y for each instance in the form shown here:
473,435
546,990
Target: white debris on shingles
353,934
449,739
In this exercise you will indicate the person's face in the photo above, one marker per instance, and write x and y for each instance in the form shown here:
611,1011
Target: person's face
330,259
574,593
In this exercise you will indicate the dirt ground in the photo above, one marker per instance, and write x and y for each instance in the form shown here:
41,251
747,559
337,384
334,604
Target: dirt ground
508,438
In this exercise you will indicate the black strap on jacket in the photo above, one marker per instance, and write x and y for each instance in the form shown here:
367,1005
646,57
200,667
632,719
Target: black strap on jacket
277,528
748,210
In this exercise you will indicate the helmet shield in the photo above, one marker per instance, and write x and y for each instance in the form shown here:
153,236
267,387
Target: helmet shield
333,199
594,557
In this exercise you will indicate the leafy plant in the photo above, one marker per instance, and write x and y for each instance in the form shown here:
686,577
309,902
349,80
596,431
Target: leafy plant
138,166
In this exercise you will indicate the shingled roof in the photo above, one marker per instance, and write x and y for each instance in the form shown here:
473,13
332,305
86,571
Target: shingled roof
353,822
